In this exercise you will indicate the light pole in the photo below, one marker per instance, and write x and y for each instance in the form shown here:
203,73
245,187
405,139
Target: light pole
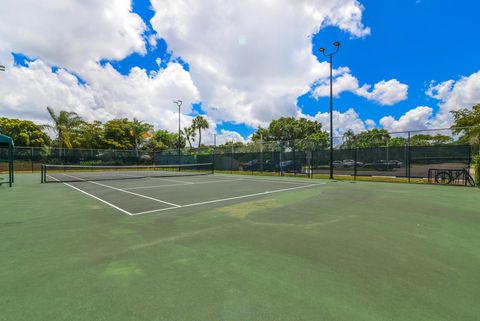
178,103
330,55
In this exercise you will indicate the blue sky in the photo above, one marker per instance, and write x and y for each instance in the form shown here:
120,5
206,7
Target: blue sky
403,64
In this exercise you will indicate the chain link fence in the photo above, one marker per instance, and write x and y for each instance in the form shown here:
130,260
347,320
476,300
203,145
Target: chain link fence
29,159
402,156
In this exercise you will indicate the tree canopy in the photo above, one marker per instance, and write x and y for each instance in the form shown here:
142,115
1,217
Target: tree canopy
163,139
293,132
24,132
467,118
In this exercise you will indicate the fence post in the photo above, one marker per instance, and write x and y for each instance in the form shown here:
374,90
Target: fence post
231,160
261,153
409,153
31,157
477,174
478,167
281,158
355,164
214,150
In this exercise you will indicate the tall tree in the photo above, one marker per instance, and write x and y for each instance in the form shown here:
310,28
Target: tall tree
117,134
372,138
429,140
348,139
90,135
24,132
289,130
467,123
162,139
260,134
189,133
200,123
65,124
139,130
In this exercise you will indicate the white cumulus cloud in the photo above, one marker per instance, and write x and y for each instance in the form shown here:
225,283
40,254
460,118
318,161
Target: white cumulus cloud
71,33
251,59
414,119
342,122
384,92
26,91
453,95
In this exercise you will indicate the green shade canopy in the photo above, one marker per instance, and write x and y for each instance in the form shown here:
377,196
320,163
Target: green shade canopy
5,140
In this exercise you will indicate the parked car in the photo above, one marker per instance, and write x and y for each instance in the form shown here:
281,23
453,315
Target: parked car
348,163
288,166
256,166
351,163
253,165
386,165
399,163
337,164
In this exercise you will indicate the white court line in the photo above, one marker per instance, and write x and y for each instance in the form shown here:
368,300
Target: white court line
124,191
168,185
95,197
227,199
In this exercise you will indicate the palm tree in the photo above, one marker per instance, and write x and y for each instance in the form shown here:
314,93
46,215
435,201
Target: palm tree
200,123
139,131
189,133
65,123
349,138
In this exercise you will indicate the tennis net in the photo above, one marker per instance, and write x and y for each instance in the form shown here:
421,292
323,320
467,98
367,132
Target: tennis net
79,173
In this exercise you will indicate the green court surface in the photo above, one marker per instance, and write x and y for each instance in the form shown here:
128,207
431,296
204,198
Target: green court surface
237,248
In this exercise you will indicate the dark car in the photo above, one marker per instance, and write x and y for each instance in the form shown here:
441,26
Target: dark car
384,165
256,165
289,166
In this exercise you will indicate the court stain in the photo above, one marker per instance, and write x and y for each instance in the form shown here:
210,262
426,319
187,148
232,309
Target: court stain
121,270
245,209
285,211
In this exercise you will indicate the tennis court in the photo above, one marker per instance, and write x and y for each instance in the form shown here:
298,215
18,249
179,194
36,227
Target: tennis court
201,246
139,190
